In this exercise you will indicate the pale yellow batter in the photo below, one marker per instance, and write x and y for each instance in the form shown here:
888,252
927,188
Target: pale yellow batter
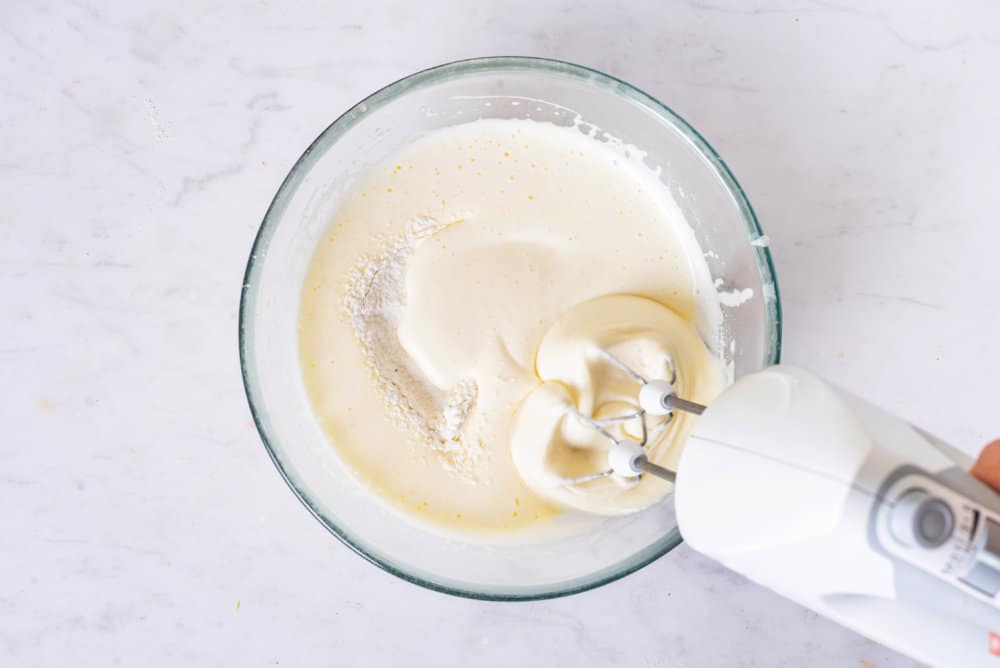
425,306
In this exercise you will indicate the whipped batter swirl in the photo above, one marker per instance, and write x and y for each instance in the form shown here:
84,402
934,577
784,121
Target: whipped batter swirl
550,443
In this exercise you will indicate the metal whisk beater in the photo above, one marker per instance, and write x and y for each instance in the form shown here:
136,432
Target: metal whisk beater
656,398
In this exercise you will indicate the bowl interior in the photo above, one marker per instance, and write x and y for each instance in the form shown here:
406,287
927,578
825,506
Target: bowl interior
580,553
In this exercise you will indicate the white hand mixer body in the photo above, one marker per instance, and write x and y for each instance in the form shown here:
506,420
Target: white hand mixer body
841,507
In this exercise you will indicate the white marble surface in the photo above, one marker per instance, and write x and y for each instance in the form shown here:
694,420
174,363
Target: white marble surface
141,522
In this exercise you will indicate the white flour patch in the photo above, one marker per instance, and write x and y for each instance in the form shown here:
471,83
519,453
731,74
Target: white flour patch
375,301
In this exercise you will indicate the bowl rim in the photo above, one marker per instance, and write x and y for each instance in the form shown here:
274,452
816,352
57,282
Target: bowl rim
328,138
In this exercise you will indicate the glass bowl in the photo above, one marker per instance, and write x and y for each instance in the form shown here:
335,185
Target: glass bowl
545,564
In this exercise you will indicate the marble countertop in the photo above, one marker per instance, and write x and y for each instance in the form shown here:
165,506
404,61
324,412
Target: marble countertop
142,522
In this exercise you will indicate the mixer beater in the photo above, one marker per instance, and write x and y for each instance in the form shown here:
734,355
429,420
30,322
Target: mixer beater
627,457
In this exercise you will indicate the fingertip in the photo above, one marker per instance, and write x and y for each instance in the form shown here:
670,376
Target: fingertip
987,466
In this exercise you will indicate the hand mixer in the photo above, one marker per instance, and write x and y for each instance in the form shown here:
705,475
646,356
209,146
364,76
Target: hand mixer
835,504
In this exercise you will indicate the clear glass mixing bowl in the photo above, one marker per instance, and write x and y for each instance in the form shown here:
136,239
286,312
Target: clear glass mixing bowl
531,88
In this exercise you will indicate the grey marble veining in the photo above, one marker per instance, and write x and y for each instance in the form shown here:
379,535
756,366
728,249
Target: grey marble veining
141,522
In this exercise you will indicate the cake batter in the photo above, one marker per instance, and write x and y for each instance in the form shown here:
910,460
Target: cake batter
426,304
